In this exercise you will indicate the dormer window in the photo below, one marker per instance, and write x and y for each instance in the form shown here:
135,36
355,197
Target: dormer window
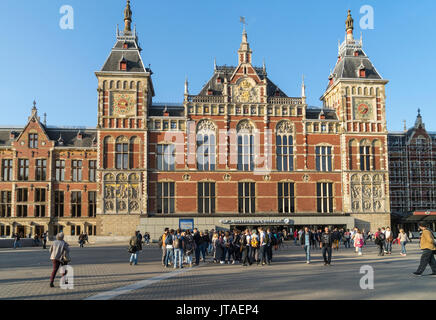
123,65
125,45
219,80
362,73
209,92
33,141
356,53
277,93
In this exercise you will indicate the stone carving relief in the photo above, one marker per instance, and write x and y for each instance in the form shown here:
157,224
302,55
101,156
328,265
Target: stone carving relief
285,127
366,193
122,193
206,126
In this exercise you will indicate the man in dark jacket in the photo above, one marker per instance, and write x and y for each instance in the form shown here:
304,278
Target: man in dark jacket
326,246
336,236
245,247
306,241
198,241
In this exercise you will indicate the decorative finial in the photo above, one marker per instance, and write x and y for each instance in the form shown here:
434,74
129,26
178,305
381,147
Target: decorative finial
349,23
214,64
419,112
186,86
303,89
405,125
127,18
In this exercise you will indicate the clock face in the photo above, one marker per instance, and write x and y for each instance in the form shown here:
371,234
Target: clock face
363,110
123,104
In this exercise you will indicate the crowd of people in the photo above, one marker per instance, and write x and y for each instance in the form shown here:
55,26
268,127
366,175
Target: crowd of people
224,247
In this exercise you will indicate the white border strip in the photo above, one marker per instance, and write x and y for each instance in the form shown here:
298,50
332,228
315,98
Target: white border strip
135,286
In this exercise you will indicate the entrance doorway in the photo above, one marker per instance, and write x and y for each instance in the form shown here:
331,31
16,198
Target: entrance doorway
21,231
39,230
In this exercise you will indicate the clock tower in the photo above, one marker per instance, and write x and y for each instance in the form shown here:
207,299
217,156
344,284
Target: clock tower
125,92
356,91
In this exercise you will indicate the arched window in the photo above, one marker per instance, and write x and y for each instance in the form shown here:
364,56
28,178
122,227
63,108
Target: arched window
108,149
206,146
134,152
365,156
284,147
122,153
245,146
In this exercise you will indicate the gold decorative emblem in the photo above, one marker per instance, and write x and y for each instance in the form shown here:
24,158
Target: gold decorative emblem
123,104
246,91
227,177
186,177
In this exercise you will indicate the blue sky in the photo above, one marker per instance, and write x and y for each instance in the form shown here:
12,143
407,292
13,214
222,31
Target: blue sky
181,38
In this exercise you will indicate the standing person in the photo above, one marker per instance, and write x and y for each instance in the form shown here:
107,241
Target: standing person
169,255
59,255
352,233
359,241
306,242
347,238
263,242
245,247
189,247
205,245
326,246
336,238
147,238
403,239
178,249
139,235
389,239
255,247
272,241
17,240
162,244
428,247
380,241
236,244
295,236
133,249
44,240
197,240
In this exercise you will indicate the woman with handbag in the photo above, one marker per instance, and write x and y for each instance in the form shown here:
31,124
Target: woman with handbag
59,255
403,239
358,241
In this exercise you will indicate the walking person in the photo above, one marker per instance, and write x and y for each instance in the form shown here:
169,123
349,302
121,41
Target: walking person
326,246
428,247
44,240
403,239
295,237
189,248
254,247
359,241
389,239
306,242
81,240
59,256
198,241
336,238
380,241
134,248
147,238
347,238
17,240
272,241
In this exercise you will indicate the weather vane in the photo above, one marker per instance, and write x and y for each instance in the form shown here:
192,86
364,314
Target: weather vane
242,20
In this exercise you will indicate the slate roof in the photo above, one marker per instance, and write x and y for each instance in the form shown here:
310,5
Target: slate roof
132,55
312,113
67,135
225,72
174,110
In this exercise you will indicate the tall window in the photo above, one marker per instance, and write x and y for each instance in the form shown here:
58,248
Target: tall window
247,197
92,203
40,169
284,151
77,170
92,170
7,170
122,155
23,169
245,146
40,198
59,203
324,192
165,197
286,197
206,146
33,141
60,170
365,158
76,204
206,197
166,155
5,204
323,158
22,197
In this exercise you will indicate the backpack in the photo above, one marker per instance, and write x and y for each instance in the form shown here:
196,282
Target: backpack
177,243
274,240
382,236
160,241
169,240
267,239
254,242
188,244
